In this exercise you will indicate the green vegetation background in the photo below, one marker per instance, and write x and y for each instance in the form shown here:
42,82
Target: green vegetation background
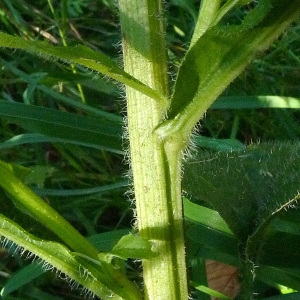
88,186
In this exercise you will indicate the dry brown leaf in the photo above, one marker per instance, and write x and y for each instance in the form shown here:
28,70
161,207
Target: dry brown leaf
222,278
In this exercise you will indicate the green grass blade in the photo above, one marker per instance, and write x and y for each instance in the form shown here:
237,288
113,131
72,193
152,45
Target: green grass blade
21,278
33,138
63,125
262,101
209,291
80,192
59,97
81,55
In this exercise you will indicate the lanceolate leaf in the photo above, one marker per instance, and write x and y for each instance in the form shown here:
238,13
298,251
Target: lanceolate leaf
56,256
80,55
220,55
133,246
107,279
78,129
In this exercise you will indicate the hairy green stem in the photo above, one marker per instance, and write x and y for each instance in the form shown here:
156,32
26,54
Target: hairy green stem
155,163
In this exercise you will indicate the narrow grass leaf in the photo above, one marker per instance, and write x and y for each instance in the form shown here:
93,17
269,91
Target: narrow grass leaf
250,102
279,276
59,97
292,296
209,291
64,125
22,277
80,192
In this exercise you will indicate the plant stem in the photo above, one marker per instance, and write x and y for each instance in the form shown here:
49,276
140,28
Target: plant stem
155,163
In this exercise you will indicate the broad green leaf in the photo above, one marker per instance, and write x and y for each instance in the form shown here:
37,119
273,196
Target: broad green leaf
66,126
219,56
21,278
249,189
133,246
81,55
246,187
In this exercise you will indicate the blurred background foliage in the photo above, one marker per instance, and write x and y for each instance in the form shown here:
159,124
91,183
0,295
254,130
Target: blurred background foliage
66,175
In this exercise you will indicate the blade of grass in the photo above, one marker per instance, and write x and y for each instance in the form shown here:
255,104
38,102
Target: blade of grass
63,125
262,101
60,97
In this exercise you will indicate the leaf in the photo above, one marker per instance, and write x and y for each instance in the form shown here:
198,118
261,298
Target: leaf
42,212
105,241
218,57
222,278
206,229
250,102
292,296
80,55
225,145
80,192
205,216
279,276
21,278
38,175
108,280
59,97
209,291
133,246
247,187
54,255
66,126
